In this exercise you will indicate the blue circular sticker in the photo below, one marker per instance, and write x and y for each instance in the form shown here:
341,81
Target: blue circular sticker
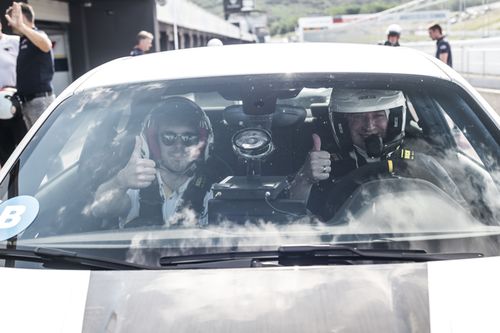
16,215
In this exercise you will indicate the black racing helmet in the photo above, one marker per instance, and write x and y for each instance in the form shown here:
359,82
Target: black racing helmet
349,101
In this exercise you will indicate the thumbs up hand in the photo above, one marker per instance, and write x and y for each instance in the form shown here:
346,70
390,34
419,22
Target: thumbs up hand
316,142
139,172
317,165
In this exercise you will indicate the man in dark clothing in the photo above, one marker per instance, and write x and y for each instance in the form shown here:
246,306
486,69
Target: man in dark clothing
368,127
35,63
443,48
143,44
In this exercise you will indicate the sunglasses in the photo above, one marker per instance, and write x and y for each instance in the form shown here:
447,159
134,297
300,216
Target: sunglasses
187,139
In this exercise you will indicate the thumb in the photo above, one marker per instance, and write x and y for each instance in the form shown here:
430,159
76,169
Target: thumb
136,154
316,142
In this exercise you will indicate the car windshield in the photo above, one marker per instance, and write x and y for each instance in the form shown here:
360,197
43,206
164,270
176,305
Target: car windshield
145,170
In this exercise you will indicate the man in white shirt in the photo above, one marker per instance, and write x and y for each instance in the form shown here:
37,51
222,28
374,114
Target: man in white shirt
11,130
9,48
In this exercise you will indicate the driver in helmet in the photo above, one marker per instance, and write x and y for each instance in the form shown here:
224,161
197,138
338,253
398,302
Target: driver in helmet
165,181
368,126
393,34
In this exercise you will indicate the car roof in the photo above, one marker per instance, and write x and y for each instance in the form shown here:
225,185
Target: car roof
250,59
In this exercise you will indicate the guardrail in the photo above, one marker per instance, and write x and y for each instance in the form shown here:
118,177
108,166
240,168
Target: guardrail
478,56
481,61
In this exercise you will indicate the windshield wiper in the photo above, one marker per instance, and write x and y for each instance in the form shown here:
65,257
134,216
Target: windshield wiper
57,258
243,259
324,254
305,255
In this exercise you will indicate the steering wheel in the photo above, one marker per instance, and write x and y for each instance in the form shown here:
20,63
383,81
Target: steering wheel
422,167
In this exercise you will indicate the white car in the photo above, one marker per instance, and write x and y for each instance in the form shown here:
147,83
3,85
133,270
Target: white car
272,215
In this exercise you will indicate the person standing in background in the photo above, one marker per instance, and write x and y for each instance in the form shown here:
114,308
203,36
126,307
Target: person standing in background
12,127
443,48
215,42
35,63
143,44
9,47
393,34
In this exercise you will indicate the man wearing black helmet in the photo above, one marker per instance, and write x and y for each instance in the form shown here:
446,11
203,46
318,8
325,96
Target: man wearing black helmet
368,127
164,182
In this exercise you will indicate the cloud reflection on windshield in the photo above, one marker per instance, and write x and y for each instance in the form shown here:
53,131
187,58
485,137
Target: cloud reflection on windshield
343,299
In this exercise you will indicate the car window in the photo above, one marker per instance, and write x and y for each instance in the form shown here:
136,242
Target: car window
212,164
69,153
309,96
461,140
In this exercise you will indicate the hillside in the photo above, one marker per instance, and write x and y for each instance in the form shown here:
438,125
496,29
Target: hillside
283,14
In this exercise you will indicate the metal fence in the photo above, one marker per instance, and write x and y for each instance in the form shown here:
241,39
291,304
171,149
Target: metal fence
478,56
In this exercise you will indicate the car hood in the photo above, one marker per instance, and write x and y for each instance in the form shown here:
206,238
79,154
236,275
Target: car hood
448,296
